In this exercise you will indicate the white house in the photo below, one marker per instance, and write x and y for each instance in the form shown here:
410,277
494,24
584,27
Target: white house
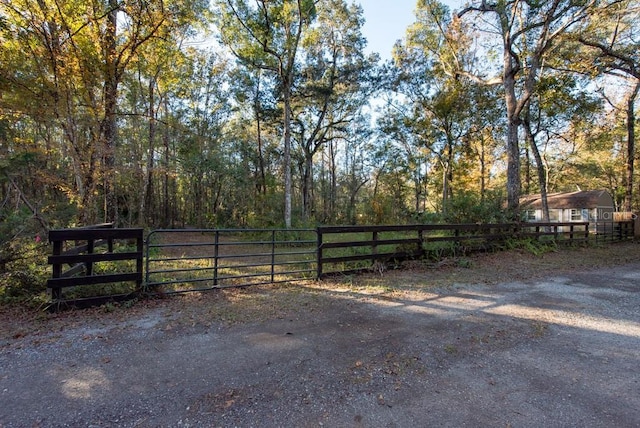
594,206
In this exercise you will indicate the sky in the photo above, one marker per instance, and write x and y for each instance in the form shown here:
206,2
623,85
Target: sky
387,21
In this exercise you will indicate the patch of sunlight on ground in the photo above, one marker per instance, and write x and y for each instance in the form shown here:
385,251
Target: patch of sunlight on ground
84,383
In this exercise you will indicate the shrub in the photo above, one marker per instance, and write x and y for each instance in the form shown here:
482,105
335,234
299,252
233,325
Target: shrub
23,272
469,207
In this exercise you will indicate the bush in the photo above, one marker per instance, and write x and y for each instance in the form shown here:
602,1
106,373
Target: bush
531,245
23,272
469,207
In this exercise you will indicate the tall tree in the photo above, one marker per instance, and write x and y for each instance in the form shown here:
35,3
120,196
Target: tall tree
559,102
527,33
611,46
267,36
335,83
405,150
436,101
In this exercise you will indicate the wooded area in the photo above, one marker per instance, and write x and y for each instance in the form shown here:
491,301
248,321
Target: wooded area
236,113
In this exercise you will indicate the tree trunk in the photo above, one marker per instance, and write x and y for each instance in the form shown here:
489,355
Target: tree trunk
329,183
540,167
262,184
167,219
334,182
631,121
108,128
148,200
527,171
483,169
307,184
287,154
513,146
445,189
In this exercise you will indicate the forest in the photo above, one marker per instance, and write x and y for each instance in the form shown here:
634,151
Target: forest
271,113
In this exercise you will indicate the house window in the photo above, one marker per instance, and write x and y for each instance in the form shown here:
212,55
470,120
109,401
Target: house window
576,215
529,215
553,215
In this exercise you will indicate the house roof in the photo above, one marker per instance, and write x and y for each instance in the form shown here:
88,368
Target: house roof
566,200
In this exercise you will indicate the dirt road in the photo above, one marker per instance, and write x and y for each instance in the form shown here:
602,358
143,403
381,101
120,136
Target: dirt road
558,351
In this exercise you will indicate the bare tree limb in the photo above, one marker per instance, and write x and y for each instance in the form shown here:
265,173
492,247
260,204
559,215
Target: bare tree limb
33,209
477,79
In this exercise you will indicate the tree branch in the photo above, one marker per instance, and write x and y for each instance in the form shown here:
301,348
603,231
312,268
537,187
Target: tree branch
626,64
37,216
476,79
484,7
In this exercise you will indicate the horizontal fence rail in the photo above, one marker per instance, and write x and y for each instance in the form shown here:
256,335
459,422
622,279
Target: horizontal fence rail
86,251
348,249
205,259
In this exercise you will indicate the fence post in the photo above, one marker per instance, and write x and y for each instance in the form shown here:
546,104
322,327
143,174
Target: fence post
216,253
139,260
586,232
273,254
456,241
89,265
146,261
56,292
318,253
374,247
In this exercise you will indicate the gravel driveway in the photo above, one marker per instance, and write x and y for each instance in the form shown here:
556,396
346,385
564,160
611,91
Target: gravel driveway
560,351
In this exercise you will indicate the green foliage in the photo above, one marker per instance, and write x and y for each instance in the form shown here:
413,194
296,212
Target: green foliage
23,247
469,207
13,223
531,245
464,262
437,251
201,138
23,272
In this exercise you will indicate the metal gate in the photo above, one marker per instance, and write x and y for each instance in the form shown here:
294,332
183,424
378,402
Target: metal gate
205,259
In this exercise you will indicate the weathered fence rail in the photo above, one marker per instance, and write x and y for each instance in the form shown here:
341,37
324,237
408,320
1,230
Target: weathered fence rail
343,249
83,258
